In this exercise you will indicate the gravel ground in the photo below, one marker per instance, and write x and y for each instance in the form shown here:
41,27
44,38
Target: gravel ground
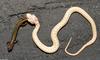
49,12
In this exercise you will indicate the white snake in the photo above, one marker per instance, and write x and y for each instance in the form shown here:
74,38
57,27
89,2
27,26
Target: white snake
51,49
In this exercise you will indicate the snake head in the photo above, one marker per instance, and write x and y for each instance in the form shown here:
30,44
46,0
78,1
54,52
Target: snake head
32,18
21,22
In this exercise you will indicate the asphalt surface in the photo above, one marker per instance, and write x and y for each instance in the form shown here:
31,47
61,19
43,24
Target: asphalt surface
49,12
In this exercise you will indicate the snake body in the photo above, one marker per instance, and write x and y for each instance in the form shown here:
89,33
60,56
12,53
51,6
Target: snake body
51,49
33,19
89,19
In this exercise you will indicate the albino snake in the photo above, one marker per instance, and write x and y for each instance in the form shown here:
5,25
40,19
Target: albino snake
51,49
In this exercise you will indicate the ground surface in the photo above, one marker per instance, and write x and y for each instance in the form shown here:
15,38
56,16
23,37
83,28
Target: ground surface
49,12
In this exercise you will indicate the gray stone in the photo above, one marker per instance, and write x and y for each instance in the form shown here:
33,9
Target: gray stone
49,12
